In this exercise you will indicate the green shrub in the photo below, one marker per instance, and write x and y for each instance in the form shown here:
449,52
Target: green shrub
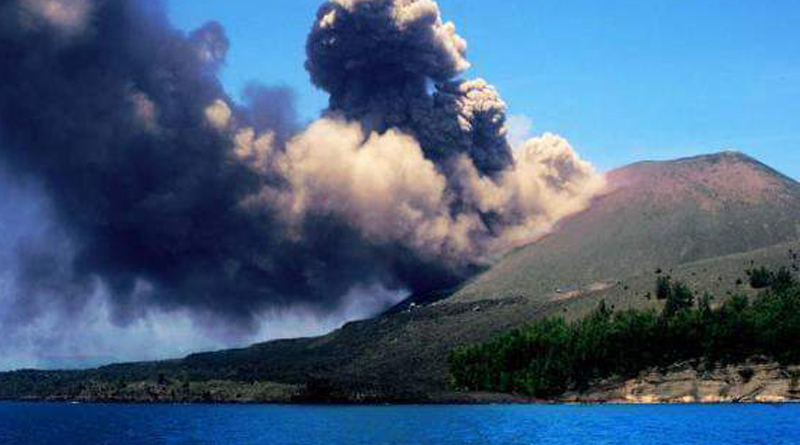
679,297
760,278
663,288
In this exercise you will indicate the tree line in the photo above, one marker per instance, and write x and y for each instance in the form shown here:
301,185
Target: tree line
550,356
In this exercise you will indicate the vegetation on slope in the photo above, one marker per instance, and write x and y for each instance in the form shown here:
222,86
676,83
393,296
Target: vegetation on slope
551,356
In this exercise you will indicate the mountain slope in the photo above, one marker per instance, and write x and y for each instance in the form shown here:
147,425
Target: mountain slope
702,220
656,215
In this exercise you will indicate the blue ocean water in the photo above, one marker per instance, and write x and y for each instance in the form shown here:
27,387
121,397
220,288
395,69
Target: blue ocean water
90,424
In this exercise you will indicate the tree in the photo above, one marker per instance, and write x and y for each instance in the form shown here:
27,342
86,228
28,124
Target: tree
760,278
782,280
663,288
680,297
704,306
602,310
550,356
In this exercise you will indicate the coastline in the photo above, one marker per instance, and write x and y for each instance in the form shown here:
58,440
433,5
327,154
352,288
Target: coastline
500,401
757,380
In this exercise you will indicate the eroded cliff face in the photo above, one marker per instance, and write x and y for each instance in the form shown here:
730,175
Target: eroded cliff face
757,381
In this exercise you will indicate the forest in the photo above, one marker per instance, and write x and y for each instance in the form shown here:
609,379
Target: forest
551,356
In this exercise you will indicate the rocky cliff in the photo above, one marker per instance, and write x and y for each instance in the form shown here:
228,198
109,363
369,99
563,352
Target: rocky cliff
756,381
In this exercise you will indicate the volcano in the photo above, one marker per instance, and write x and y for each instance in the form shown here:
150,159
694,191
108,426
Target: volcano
655,215
704,220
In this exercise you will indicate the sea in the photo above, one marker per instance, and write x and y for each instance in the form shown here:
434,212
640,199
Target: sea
91,424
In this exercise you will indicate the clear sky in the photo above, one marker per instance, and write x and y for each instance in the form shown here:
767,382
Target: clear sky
623,80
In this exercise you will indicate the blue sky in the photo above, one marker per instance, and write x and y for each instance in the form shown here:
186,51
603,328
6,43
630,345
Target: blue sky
623,80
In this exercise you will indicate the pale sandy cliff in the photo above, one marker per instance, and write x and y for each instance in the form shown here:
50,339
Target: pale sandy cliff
756,381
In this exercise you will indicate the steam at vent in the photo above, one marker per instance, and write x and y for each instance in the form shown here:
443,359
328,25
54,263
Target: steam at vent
166,195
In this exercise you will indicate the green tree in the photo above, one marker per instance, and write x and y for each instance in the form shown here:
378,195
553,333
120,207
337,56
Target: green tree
679,298
550,356
782,280
663,288
760,278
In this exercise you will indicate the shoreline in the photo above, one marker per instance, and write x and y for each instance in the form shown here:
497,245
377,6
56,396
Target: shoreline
397,404
755,381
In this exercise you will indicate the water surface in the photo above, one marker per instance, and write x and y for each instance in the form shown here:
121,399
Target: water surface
90,424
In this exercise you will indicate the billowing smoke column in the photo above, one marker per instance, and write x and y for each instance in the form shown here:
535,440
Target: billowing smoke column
443,177
378,58
170,195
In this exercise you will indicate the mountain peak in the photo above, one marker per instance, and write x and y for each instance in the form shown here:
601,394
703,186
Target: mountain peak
728,176
727,157
722,156
655,214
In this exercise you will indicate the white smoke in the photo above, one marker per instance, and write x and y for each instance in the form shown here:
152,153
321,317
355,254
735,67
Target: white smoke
437,175
383,186
90,337
547,182
380,183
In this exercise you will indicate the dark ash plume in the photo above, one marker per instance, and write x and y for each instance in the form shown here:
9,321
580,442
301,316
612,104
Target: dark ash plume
109,111
378,58
166,195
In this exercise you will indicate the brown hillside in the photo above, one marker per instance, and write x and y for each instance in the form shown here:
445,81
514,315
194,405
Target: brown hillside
655,215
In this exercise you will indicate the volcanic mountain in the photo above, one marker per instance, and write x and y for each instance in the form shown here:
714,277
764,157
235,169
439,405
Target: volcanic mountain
654,215
703,220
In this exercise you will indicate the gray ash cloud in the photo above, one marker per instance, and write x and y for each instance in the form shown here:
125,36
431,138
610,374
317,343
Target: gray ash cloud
166,194
379,58
111,119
